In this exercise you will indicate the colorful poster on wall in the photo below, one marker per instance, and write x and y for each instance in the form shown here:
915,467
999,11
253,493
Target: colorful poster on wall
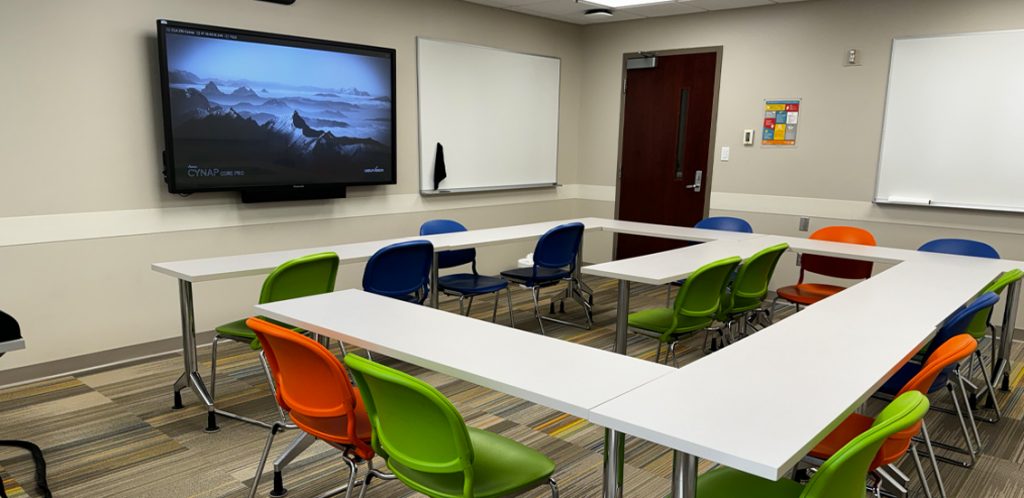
781,122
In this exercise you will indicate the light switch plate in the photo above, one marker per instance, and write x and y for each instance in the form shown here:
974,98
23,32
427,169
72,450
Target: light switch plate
725,153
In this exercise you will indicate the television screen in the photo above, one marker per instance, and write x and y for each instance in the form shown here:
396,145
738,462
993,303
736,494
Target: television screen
246,110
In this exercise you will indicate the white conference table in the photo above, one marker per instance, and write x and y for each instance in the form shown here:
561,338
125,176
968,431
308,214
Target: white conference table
846,345
551,372
192,271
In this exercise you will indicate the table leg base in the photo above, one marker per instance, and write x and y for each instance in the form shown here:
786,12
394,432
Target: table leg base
279,490
177,401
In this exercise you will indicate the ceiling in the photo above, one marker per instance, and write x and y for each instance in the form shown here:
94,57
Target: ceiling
572,11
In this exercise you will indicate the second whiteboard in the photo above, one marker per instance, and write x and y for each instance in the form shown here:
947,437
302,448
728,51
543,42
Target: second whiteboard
494,112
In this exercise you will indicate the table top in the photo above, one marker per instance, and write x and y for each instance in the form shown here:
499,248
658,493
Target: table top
558,374
669,266
205,269
759,405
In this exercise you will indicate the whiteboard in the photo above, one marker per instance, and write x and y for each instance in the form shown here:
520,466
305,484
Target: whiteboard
494,112
953,122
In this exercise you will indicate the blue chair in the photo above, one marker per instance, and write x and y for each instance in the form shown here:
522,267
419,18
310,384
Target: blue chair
400,271
463,285
950,378
961,247
725,223
554,261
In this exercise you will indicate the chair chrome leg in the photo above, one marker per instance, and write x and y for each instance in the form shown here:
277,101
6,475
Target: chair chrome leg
963,426
991,391
508,296
213,367
657,354
554,487
353,471
469,307
271,383
920,471
462,305
668,296
263,458
535,292
968,409
494,312
672,353
931,456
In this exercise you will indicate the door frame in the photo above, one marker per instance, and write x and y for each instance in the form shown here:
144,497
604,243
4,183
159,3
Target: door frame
718,51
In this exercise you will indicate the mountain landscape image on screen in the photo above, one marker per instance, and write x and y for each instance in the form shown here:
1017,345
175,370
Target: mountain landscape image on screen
279,112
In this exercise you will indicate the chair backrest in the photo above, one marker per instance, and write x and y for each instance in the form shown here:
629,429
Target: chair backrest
300,277
949,354
701,293
310,380
979,324
843,475
557,248
400,270
755,273
725,223
958,322
962,247
838,267
413,423
448,259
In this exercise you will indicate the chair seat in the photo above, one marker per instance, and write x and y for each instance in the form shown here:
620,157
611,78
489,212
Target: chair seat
335,429
237,330
501,467
808,293
469,284
544,275
907,372
660,320
724,482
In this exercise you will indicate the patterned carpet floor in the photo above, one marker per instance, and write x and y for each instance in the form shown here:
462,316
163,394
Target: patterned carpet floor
112,432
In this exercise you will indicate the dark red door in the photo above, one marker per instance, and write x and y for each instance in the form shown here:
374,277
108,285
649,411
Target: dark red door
666,137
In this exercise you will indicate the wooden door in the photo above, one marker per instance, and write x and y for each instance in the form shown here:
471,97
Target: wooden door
667,125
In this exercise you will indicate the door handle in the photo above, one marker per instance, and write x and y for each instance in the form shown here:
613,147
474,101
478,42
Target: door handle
696,181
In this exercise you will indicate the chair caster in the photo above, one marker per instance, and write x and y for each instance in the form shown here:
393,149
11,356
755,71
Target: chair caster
561,306
551,308
177,401
211,422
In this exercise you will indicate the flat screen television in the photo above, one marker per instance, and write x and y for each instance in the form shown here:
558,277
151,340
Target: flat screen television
273,115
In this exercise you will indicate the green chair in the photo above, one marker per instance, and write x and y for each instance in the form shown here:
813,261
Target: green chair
978,328
841,476
427,446
300,277
696,307
744,297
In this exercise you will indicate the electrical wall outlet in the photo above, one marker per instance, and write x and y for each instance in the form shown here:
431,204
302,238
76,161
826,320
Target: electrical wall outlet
805,223
725,153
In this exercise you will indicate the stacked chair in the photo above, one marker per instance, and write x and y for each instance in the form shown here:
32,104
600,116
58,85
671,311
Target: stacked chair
466,285
555,260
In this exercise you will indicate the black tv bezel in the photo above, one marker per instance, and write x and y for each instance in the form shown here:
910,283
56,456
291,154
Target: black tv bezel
168,154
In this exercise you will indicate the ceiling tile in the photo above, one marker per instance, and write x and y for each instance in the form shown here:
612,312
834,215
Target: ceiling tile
728,4
572,11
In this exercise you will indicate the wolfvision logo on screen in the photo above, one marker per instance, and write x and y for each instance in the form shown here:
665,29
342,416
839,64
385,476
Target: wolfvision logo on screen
375,169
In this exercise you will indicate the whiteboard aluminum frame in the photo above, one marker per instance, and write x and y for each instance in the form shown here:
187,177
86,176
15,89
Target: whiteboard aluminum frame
885,111
419,120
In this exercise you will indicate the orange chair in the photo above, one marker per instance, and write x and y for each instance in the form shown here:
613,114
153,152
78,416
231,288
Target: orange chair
830,266
313,387
947,355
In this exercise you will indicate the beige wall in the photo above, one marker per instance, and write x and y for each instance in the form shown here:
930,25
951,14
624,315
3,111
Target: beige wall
797,50
84,211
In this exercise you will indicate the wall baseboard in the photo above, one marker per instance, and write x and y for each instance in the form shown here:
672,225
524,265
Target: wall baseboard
99,361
